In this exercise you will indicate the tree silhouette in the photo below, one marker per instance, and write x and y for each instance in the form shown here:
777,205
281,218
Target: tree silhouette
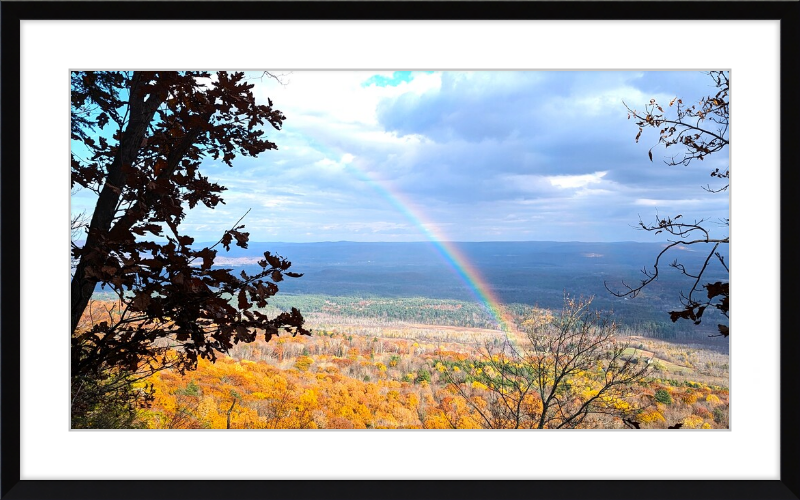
697,131
138,142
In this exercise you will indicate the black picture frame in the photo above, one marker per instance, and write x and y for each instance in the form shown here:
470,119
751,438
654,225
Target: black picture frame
12,487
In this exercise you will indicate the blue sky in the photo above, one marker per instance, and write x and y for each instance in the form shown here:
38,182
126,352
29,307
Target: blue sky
462,156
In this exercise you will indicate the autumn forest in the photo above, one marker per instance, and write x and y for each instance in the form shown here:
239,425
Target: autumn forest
180,321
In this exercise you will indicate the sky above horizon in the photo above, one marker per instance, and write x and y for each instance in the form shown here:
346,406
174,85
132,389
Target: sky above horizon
460,156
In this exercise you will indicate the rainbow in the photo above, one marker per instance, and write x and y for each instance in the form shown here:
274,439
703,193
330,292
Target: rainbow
448,251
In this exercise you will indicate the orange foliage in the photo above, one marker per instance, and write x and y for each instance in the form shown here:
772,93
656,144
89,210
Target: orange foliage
345,384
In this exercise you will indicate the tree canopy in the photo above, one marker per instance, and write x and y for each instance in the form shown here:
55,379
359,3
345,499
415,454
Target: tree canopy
138,142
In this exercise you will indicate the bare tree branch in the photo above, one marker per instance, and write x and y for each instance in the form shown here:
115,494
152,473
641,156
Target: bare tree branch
689,129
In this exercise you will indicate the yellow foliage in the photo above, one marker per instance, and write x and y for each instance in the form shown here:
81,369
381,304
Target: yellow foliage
692,422
308,398
330,391
303,363
650,416
619,404
532,404
690,398
436,420
208,413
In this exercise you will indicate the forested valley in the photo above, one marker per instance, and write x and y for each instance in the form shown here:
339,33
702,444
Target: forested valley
521,320
415,363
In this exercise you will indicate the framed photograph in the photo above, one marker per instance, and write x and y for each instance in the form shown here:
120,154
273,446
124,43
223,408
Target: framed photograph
435,160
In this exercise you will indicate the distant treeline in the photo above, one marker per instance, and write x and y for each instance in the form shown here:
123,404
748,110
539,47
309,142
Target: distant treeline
459,313
409,310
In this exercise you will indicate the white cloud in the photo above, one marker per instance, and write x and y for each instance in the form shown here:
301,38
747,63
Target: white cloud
337,97
647,202
576,181
464,150
326,162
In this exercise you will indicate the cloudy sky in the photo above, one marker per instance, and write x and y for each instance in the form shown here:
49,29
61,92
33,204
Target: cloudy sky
477,156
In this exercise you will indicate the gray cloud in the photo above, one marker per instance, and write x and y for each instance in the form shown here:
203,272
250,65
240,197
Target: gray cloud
485,155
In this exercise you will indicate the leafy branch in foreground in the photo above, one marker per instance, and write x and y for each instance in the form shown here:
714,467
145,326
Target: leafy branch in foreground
698,130
138,142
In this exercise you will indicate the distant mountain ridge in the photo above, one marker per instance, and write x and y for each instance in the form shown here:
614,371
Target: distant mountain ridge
353,252
528,272
534,272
